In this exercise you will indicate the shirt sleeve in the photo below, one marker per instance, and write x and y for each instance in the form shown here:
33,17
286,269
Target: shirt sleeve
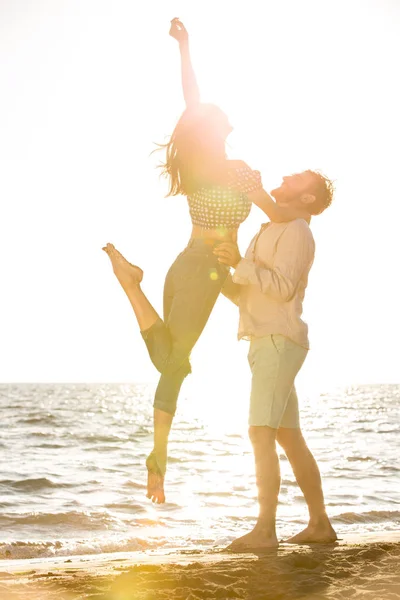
231,290
246,180
294,254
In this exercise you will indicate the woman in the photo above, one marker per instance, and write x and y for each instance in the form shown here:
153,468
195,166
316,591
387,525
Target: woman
220,193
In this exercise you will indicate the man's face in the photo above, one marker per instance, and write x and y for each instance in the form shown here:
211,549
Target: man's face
292,188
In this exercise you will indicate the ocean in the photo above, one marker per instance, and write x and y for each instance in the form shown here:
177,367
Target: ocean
72,472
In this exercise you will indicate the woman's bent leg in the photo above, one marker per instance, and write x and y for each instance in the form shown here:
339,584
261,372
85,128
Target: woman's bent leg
155,334
130,276
188,310
169,344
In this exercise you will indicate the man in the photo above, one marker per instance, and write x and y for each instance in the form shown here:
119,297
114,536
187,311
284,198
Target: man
269,285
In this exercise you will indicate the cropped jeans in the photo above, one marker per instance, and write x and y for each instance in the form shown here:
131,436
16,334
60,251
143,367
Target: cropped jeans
191,289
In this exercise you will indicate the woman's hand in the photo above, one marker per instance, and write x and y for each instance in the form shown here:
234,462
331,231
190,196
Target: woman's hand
178,30
228,254
190,88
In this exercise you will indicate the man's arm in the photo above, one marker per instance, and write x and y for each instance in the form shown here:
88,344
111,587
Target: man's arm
295,252
190,88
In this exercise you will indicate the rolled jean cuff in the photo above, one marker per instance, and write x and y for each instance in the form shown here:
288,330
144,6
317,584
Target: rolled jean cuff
168,389
166,407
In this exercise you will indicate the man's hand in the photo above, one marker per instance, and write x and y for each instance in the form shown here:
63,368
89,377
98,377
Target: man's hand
178,30
228,254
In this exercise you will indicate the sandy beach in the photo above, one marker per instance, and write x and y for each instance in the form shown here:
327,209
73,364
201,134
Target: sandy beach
355,567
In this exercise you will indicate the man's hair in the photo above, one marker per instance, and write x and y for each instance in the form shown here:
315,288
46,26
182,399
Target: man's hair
323,190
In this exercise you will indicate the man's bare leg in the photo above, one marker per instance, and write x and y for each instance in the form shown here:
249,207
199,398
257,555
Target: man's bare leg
268,479
306,471
130,276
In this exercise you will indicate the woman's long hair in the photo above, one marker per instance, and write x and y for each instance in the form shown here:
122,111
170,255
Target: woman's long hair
195,149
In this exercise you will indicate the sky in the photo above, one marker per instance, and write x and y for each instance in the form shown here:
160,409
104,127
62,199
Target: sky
89,86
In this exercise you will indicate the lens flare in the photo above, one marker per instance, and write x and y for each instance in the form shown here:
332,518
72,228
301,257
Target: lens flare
214,275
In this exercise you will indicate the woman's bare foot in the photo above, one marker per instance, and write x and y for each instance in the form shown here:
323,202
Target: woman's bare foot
127,274
259,539
320,533
155,480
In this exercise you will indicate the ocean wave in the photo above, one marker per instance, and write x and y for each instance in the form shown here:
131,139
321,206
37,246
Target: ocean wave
40,420
360,458
22,550
32,485
138,485
289,482
80,520
126,507
105,439
104,448
386,431
373,516
51,446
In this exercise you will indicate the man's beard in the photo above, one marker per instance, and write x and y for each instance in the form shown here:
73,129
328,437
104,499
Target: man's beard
278,195
283,197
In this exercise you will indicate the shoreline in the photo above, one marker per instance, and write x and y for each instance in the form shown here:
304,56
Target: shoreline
357,566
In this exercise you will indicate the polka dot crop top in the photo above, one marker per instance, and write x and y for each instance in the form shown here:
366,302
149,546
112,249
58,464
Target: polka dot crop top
226,205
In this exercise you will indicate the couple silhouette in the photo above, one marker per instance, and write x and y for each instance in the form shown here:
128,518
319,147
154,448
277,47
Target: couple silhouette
268,284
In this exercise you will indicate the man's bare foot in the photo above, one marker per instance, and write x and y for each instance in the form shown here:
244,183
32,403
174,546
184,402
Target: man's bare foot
155,480
127,274
258,539
322,533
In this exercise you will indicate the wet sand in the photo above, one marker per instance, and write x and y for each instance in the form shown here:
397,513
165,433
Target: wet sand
363,567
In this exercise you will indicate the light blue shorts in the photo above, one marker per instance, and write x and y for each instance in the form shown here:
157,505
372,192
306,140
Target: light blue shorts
274,361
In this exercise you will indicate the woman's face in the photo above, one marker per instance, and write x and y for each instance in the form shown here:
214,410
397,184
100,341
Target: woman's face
222,125
214,120
206,125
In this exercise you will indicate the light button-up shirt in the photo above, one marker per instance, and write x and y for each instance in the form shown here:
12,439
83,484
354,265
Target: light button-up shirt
269,282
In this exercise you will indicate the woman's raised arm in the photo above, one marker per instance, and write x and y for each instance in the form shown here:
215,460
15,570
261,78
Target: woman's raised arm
190,88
